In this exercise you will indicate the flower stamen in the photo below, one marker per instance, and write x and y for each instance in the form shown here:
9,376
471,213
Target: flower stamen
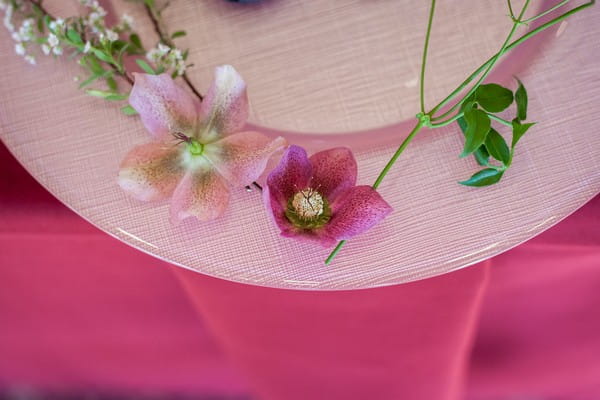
308,209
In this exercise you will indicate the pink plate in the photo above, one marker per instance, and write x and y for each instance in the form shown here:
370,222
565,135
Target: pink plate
324,73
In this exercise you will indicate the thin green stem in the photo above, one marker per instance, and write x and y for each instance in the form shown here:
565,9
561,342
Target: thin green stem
540,15
381,176
489,67
511,46
501,120
424,60
512,14
336,250
446,122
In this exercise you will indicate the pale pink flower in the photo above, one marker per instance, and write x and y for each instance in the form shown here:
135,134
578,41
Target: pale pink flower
199,151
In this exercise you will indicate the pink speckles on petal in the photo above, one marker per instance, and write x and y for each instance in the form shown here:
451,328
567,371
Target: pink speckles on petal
225,107
334,171
151,171
355,211
291,174
164,107
202,194
241,158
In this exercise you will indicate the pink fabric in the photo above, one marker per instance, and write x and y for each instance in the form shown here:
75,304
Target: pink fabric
79,309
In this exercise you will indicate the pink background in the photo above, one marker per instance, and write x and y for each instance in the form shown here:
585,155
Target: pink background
81,311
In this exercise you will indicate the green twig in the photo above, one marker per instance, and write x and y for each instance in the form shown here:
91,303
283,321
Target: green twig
424,60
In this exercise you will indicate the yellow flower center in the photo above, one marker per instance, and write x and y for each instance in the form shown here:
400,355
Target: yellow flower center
308,209
308,203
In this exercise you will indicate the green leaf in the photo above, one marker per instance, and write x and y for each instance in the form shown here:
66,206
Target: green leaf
128,110
177,34
93,78
74,37
106,95
497,147
144,65
493,98
485,177
93,64
478,125
134,38
481,154
519,130
103,56
47,20
521,100
468,103
111,83
40,24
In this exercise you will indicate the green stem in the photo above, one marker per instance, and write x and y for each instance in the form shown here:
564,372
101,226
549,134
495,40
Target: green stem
424,60
382,175
337,249
511,46
489,67
512,14
540,15
501,120
446,122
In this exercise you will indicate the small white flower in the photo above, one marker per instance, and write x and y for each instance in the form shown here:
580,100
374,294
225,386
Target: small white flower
127,20
53,40
46,49
16,37
30,59
153,55
163,48
57,50
20,49
112,35
87,47
8,18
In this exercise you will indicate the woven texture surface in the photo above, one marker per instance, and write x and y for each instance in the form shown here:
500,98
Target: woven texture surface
331,67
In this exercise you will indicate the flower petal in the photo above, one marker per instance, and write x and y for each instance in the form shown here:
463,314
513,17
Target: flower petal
334,171
224,109
241,158
163,106
291,174
151,171
356,211
202,194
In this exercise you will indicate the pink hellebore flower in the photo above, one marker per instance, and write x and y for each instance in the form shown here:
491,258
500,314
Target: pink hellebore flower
316,199
208,155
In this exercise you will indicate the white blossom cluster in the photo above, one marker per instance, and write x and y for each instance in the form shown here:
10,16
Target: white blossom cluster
24,35
167,58
95,21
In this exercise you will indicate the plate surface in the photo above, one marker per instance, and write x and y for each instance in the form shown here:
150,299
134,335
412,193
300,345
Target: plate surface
324,74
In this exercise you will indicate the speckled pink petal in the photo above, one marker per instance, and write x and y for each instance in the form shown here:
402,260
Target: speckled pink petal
164,107
151,171
334,171
276,211
291,174
224,109
202,194
356,211
242,157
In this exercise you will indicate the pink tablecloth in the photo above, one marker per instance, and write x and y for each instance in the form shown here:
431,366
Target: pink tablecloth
79,311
